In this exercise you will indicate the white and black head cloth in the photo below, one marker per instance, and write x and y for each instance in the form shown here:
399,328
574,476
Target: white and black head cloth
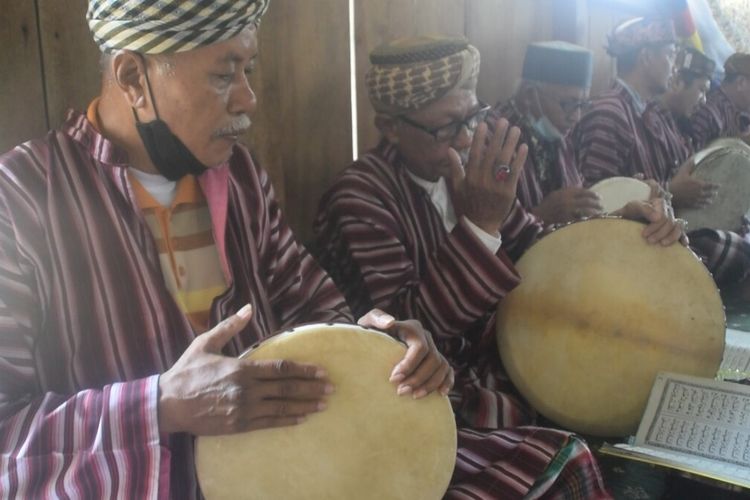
166,26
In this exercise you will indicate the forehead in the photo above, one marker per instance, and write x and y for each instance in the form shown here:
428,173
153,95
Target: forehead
239,50
453,105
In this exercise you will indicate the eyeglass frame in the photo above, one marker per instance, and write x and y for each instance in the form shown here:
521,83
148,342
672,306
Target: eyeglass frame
483,110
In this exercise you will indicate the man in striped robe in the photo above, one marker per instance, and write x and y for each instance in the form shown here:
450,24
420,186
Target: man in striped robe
726,112
556,79
120,247
425,225
623,135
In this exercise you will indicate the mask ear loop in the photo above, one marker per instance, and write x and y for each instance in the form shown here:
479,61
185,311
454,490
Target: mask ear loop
148,86
538,103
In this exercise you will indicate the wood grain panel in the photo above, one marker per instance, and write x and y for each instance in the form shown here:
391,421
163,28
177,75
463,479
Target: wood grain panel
21,91
378,21
501,30
71,58
303,124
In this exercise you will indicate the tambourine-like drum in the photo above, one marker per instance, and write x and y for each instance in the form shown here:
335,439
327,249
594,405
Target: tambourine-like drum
725,162
368,444
616,192
599,312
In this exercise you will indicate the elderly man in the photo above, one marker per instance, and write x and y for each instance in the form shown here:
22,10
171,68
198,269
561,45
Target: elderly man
129,232
423,226
554,90
726,112
612,139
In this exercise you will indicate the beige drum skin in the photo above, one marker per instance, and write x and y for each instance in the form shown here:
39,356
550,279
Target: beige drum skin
368,444
725,162
616,192
597,314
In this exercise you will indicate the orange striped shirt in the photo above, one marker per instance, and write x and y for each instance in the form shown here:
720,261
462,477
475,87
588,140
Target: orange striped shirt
184,236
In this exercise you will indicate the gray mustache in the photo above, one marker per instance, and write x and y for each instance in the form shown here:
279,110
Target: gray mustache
237,126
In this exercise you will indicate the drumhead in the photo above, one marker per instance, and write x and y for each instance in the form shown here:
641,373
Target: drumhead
597,315
368,444
616,192
725,162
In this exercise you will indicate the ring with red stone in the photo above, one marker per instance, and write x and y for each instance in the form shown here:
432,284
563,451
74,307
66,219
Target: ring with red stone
500,172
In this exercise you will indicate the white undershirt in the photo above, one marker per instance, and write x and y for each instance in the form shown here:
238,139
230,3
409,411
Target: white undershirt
159,187
440,197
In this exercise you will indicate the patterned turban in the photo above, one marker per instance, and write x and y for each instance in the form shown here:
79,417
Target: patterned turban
410,73
640,32
738,64
693,61
165,26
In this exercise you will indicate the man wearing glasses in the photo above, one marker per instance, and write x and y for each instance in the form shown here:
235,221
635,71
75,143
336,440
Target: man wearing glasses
416,225
553,92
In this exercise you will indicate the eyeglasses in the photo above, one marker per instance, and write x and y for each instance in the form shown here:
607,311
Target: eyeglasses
449,132
570,106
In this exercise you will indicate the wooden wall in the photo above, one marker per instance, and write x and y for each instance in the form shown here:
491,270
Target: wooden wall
302,132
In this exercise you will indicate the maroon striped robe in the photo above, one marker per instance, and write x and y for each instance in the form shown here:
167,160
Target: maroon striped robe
613,138
384,243
717,117
87,322
549,166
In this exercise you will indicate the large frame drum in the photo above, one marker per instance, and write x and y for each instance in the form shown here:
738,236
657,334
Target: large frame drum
725,162
368,444
597,314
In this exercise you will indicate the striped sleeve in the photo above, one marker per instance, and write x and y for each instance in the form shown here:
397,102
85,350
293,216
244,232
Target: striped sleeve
603,144
300,291
97,443
520,230
704,127
456,285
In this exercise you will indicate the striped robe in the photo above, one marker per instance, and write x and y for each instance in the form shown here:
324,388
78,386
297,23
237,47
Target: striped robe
87,322
613,138
384,243
549,166
717,117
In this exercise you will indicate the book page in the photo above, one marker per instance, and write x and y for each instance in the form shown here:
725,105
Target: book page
698,425
735,365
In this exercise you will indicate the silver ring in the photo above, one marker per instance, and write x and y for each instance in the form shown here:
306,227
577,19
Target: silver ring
683,223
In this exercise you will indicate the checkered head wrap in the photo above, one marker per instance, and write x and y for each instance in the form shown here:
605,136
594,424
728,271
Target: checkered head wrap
410,73
166,26
693,61
640,32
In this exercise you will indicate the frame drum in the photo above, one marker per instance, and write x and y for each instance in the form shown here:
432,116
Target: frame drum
725,162
368,444
616,192
598,313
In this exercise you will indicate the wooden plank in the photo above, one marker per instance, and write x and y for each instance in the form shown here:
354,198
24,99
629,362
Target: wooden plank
21,92
570,21
602,20
378,21
70,56
303,124
501,30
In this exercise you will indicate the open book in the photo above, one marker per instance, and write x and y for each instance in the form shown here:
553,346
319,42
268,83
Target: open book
697,425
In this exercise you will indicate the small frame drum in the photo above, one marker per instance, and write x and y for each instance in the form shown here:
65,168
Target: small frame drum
616,192
725,162
598,313
368,444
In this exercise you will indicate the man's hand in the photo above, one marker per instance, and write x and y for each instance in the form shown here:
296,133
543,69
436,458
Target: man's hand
662,227
689,192
423,369
568,204
207,393
478,191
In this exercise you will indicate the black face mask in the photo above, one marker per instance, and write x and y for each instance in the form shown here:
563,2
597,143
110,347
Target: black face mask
168,153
